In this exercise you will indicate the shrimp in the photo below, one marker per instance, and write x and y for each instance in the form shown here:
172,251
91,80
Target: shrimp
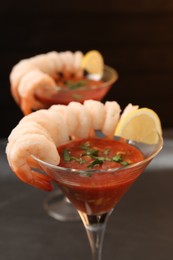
18,71
65,113
77,119
103,117
31,83
78,55
42,132
37,75
71,63
97,113
37,134
112,117
78,113
22,128
54,125
66,59
20,160
129,108
44,63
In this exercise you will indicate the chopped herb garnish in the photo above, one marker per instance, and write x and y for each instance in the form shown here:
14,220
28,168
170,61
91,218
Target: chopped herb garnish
117,158
85,146
89,151
94,154
77,96
66,155
94,163
74,85
80,160
124,163
106,151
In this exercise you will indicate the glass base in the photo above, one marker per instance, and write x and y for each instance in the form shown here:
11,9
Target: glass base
59,207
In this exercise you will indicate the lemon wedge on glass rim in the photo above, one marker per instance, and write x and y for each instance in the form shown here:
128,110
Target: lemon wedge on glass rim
93,62
141,125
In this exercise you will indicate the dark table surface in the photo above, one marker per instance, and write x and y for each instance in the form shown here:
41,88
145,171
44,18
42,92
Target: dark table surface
141,226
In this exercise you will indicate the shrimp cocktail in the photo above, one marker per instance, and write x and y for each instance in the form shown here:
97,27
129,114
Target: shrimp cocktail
91,151
59,78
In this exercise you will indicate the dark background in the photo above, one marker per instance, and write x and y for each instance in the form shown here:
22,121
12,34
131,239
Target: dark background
135,37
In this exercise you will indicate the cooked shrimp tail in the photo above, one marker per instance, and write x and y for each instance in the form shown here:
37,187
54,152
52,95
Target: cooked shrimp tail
25,106
38,180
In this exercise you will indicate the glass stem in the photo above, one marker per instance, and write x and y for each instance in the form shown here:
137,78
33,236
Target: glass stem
95,227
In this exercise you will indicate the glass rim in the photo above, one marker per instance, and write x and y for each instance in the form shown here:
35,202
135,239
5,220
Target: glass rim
116,169
114,73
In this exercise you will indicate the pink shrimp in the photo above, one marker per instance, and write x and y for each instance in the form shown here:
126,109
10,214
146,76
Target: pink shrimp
31,83
82,119
37,134
129,108
18,71
97,113
54,125
21,162
112,117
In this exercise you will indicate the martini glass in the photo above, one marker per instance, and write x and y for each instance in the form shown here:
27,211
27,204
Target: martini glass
95,193
56,204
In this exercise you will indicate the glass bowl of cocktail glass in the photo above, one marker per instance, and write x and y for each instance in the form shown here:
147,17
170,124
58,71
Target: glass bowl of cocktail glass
88,86
95,192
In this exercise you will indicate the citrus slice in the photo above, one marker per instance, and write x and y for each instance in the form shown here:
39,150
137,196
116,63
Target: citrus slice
93,62
141,125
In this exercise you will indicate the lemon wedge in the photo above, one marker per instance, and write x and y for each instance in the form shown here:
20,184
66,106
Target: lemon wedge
93,62
141,125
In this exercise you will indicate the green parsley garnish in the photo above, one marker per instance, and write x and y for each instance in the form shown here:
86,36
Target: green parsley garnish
94,154
68,158
106,151
66,155
75,85
89,151
94,163
79,160
77,96
117,158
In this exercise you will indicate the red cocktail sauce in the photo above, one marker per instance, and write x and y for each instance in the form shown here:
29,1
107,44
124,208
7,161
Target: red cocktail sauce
97,193
75,89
